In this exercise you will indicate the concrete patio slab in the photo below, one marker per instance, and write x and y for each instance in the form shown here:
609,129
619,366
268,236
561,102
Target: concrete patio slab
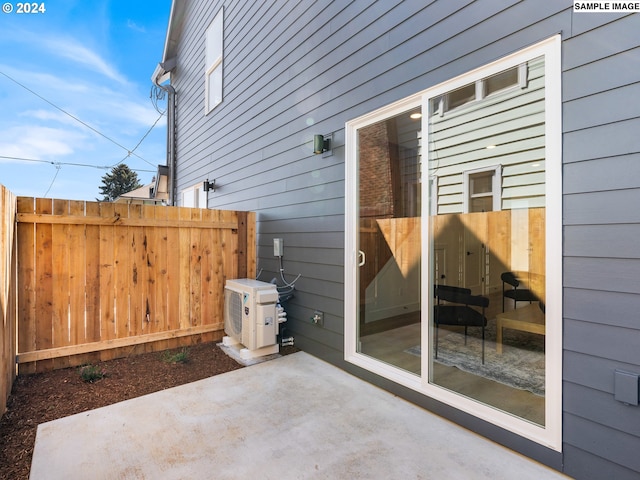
292,417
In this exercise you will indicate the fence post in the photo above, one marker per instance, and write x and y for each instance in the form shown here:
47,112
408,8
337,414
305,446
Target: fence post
8,294
242,244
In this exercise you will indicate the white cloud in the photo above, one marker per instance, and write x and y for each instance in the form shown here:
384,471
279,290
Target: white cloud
100,106
78,53
49,116
134,26
68,48
42,143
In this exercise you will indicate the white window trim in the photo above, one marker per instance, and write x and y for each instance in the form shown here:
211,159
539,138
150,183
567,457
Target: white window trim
210,104
496,187
194,196
551,434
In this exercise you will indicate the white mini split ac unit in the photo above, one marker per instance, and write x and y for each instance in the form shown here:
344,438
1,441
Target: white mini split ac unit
250,317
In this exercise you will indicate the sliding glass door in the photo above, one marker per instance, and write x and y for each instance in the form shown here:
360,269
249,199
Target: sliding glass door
389,241
453,263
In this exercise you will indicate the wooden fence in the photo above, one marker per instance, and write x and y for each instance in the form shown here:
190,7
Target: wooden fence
8,299
98,280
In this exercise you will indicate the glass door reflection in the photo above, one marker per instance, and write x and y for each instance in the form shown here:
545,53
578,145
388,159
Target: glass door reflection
389,240
486,166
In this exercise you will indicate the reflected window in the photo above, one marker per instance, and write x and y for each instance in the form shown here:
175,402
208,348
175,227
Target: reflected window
482,190
461,96
501,81
513,77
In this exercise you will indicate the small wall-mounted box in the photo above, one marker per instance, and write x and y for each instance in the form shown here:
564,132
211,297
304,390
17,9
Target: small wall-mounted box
278,247
626,387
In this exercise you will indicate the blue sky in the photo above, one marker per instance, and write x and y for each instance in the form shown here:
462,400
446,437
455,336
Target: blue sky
94,60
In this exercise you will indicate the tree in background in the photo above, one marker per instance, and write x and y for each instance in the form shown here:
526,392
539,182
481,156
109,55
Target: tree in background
120,180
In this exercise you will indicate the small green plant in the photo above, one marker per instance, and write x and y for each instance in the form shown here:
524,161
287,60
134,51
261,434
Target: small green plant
92,373
180,356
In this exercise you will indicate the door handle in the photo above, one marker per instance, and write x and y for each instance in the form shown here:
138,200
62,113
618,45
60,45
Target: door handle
361,258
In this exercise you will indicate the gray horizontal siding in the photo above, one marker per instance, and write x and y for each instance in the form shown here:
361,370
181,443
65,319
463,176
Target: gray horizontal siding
613,342
604,241
621,34
583,23
590,464
595,77
604,108
601,175
587,144
598,408
297,68
602,207
604,442
598,305
606,274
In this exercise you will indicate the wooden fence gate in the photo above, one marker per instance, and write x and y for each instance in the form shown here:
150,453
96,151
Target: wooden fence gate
96,280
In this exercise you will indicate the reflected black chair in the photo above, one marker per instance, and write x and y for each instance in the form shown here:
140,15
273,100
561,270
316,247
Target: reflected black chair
515,293
459,311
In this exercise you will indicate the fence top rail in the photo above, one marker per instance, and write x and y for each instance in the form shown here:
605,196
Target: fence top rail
80,212
117,220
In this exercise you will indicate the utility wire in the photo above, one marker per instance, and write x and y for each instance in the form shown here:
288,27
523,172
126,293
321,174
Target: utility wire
99,167
141,140
129,152
58,168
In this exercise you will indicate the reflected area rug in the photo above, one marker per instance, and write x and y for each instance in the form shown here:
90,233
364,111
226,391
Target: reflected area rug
521,364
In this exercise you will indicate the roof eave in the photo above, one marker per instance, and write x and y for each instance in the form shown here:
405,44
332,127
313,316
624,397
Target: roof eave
161,74
176,19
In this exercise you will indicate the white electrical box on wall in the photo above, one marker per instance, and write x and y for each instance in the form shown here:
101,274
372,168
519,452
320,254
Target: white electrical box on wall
278,247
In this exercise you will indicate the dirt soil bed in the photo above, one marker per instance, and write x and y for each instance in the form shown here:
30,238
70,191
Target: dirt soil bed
48,396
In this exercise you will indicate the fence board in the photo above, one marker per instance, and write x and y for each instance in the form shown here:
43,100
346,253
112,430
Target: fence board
137,261
26,282
150,243
77,277
92,281
44,283
173,270
101,279
8,295
208,240
184,275
60,279
106,279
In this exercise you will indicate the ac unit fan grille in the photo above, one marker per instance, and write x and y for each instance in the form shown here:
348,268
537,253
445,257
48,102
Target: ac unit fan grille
234,310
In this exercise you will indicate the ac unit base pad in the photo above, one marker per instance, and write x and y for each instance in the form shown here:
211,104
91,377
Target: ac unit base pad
245,353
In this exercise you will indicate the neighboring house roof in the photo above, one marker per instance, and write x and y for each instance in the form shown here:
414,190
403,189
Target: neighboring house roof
155,192
140,196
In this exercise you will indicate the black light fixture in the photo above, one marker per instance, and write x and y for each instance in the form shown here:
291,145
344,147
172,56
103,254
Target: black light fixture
321,144
207,185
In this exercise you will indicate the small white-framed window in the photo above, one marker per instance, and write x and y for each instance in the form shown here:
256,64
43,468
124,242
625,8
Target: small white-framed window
194,196
510,78
213,64
482,190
